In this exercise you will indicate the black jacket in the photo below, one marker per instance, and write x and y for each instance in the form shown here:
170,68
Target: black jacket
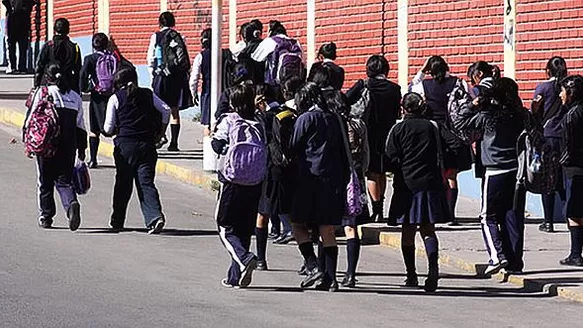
572,137
63,51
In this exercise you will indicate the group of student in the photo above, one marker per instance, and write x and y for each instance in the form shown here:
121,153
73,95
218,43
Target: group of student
297,151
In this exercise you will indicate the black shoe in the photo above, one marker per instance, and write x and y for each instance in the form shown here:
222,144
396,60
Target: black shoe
379,218
173,148
326,285
45,223
348,281
92,164
247,274
74,215
432,281
454,223
273,235
303,271
162,142
546,227
284,239
156,227
572,261
262,265
412,281
313,276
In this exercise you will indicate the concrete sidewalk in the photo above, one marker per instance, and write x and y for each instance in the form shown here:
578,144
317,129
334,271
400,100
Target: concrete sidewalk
461,247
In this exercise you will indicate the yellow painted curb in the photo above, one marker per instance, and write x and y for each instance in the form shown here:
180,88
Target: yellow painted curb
193,177
393,241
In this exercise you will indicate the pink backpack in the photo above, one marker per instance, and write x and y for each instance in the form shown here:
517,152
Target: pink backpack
42,130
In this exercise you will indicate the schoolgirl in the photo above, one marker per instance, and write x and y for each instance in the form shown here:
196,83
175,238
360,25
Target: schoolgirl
500,118
436,93
201,69
547,106
572,160
415,148
173,87
99,98
138,118
327,56
56,171
323,173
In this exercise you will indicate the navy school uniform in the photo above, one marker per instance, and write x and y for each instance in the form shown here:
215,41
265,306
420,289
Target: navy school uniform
135,155
98,102
419,188
57,171
236,211
572,160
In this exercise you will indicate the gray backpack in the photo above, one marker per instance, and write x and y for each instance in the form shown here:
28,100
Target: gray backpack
361,109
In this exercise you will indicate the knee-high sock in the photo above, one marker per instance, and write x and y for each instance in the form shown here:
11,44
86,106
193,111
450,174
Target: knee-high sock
310,260
409,259
352,254
431,247
93,148
174,132
452,201
321,258
261,238
576,241
331,255
549,207
377,206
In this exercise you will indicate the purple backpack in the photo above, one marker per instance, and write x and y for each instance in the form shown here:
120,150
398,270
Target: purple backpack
105,72
284,62
246,158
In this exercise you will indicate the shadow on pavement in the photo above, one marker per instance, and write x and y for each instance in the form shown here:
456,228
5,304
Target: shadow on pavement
165,232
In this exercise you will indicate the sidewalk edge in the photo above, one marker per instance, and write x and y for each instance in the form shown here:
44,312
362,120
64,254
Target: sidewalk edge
190,176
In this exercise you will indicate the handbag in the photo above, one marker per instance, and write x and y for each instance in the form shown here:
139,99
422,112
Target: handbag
354,204
81,179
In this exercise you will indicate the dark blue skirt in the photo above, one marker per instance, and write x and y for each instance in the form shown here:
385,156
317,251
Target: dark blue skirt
318,201
574,191
428,206
173,90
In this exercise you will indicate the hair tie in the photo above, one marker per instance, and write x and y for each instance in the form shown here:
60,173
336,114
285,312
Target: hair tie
129,84
257,33
58,76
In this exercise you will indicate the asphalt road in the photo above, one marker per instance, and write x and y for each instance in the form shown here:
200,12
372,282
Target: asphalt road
93,278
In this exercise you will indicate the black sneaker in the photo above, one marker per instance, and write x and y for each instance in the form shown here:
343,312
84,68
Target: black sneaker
349,281
412,281
45,223
569,261
162,142
313,276
173,148
327,285
546,227
156,227
247,274
493,269
284,239
74,215
262,265
303,271
432,281
226,284
92,164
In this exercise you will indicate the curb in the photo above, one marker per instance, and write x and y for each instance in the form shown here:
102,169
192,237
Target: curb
393,241
193,177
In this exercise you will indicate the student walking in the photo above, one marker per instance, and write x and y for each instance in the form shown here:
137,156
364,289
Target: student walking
97,77
201,69
63,51
415,148
436,92
549,109
380,99
572,160
56,170
319,200
240,140
327,56
169,66
501,118
18,31
138,118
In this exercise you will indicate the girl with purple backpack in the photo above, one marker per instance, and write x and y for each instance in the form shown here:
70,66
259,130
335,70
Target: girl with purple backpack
240,141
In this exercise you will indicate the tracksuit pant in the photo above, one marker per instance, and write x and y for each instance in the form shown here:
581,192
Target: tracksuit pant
503,218
236,216
135,161
54,172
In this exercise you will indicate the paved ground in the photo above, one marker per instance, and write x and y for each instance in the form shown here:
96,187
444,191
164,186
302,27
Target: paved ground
93,278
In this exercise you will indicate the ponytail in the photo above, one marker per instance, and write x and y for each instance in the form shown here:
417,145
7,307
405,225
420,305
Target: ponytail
54,76
127,79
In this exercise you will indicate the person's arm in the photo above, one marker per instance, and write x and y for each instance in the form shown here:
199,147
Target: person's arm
194,76
265,48
297,141
151,56
110,116
417,84
354,93
220,139
86,75
393,150
224,105
163,108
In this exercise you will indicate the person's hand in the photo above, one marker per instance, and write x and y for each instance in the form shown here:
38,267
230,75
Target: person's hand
426,69
195,99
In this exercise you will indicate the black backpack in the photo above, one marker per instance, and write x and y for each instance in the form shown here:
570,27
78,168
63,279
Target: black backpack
283,126
67,55
229,63
175,58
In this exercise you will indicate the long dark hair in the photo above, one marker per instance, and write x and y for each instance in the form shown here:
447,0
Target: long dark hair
557,68
438,68
242,100
127,79
308,96
486,69
54,76
206,38
414,105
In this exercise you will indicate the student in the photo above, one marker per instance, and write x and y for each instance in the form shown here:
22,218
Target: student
572,160
379,117
241,76
56,171
242,43
236,212
252,35
61,50
327,56
317,144
269,51
501,118
170,78
17,31
436,92
548,108
100,90
415,148
138,119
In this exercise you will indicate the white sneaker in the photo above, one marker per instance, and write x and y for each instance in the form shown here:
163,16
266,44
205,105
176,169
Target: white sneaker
493,269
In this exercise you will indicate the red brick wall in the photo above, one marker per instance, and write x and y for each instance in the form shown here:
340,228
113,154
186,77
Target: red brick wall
546,29
81,14
131,25
460,31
